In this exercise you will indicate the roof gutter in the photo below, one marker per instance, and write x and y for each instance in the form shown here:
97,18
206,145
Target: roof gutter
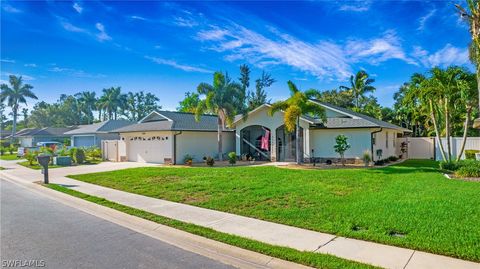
371,140
175,146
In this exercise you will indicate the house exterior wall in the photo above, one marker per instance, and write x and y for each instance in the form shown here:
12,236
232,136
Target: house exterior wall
381,143
200,144
26,141
261,117
323,140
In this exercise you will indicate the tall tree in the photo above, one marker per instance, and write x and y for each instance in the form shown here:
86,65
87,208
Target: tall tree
189,103
245,82
259,97
87,101
294,107
360,84
16,94
466,100
138,105
3,118
221,98
25,116
112,101
472,17
336,97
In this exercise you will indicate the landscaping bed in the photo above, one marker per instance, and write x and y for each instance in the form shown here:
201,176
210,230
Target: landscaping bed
409,204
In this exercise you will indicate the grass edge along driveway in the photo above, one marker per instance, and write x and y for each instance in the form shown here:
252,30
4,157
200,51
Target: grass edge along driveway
409,205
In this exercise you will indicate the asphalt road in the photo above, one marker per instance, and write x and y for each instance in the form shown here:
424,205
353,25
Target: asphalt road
33,227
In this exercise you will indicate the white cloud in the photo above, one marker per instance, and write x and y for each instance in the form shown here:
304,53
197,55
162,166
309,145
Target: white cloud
176,65
10,61
184,22
30,65
72,28
377,50
356,6
321,59
74,72
77,7
102,35
448,55
134,17
423,20
10,9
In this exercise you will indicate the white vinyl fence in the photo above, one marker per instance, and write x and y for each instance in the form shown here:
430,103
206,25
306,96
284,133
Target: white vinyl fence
423,147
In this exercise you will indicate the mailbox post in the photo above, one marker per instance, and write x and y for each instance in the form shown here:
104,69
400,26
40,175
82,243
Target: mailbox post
44,160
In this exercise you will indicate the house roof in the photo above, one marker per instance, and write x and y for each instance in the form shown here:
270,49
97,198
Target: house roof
47,131
352,119
100,127
172,121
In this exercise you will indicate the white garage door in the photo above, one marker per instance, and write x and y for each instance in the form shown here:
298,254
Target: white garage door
149,151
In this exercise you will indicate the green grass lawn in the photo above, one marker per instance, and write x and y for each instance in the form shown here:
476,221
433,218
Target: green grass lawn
316,260
412,199
8,157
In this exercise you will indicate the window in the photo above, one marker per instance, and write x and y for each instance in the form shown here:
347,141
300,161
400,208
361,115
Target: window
386,140
374,139
394,139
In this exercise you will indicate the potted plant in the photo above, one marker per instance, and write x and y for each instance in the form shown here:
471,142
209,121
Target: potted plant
251,160
209,160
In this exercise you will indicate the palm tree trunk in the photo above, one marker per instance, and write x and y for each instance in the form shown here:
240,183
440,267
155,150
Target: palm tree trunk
297,141
476,123
447,130
465,131
219,138
100,114
437,133
14,125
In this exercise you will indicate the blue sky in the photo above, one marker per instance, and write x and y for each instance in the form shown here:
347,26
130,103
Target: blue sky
167,48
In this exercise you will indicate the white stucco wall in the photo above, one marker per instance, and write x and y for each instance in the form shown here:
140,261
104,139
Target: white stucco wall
381,143
323,140
200,144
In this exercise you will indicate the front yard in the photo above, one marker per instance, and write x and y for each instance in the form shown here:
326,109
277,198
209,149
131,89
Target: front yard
410,204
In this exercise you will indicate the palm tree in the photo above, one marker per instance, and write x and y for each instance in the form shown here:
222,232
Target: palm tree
360,84
472,17
112,101
87,102
221,98
466,97
294,107
15,95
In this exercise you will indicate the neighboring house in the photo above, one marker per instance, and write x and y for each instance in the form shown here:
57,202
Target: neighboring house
4,134
317,138
167,137
93,134
29,137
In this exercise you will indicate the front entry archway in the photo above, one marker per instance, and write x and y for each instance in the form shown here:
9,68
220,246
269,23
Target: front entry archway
286,144
255,142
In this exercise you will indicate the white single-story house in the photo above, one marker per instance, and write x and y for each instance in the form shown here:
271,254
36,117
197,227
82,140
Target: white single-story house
167,137
29,137
93,134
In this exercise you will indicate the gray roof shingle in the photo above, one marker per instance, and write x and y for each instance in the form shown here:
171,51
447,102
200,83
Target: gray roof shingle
100,127
47,131
178,121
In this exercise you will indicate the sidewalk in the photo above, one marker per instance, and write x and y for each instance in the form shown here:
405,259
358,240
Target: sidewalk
268,232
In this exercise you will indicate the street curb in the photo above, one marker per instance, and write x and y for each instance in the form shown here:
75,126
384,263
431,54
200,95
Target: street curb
221,252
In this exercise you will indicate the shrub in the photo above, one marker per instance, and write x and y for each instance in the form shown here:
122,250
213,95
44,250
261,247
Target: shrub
78,155
188,159
341,145
450,166
209,161
469,169
31,157
232,157
2,151
11,149
63,152
380,162
366,157
93,153
470,154
393,158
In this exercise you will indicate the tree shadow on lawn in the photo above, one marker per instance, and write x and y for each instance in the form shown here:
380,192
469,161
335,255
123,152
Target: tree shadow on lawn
410,166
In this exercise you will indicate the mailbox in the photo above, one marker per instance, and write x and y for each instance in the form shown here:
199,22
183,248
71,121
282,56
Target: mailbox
44,160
